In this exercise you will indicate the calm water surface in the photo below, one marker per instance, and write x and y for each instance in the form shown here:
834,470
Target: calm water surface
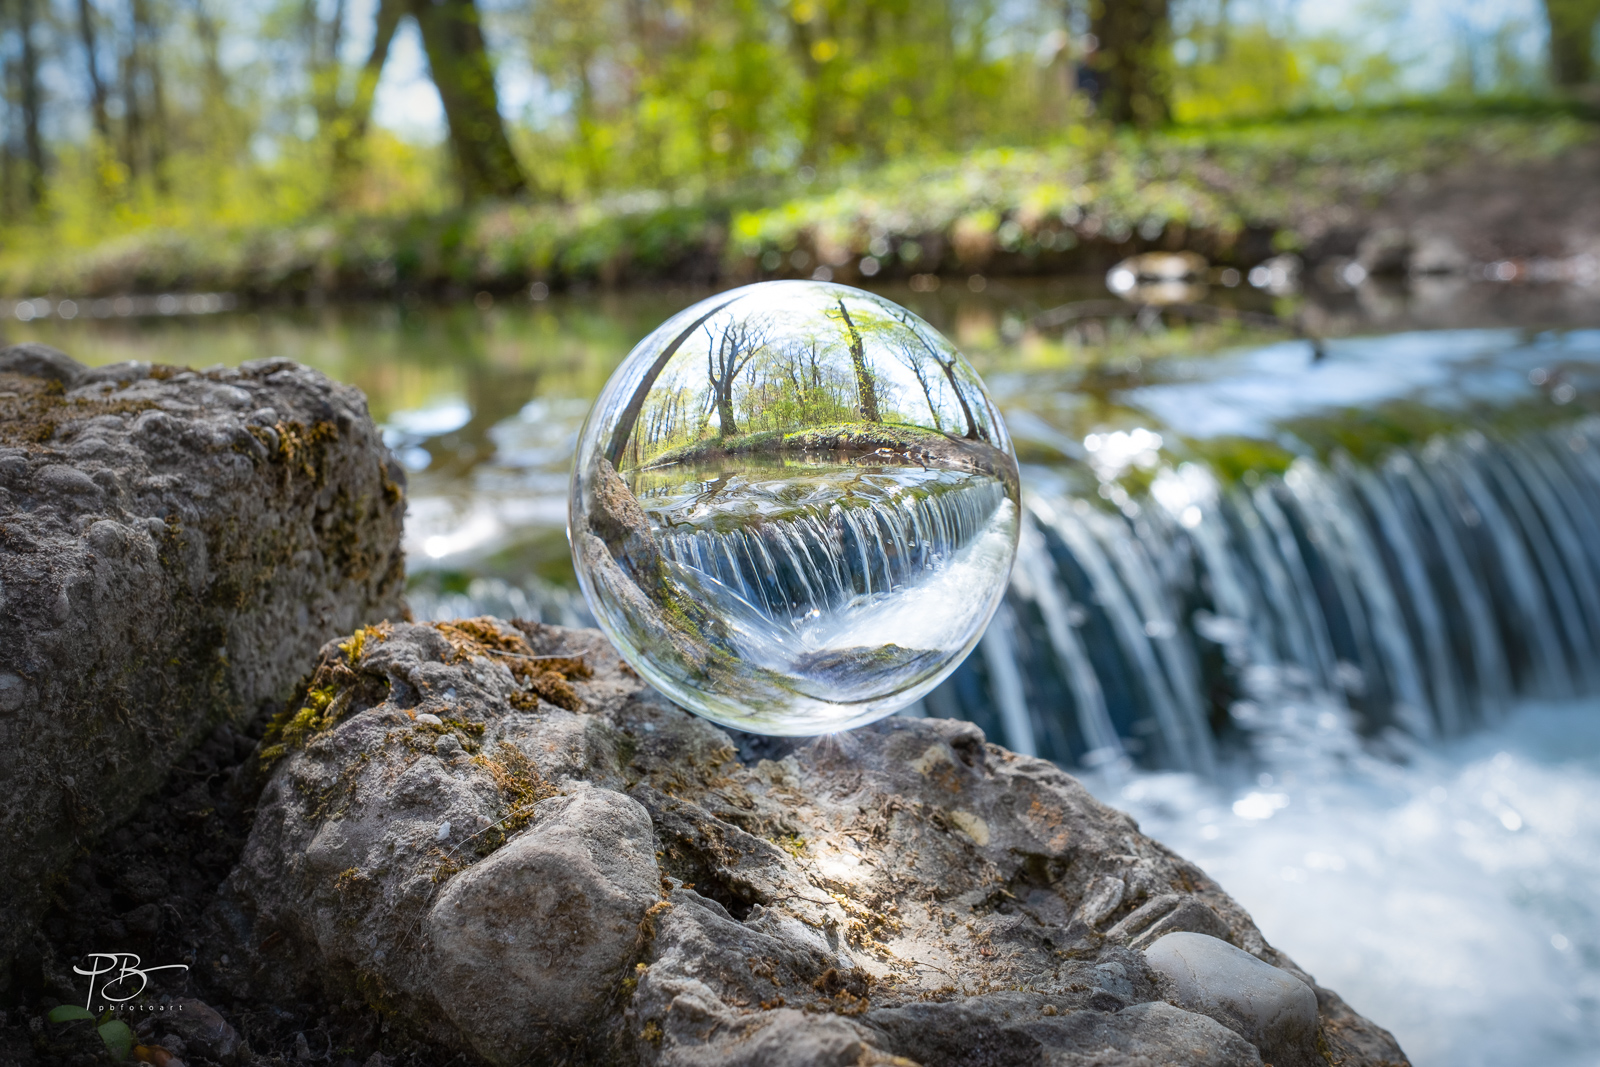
1447,891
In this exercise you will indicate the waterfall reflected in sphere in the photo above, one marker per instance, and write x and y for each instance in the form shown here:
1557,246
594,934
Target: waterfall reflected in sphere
794,508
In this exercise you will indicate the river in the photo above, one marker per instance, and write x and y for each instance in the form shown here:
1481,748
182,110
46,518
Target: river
1327,626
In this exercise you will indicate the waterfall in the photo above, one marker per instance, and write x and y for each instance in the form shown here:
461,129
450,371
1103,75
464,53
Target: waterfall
1418,595
828,557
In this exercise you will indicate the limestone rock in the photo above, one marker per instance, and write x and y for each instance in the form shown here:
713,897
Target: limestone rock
1271,1008
174,546
611,881
202,1029
551,919
34,360
619,520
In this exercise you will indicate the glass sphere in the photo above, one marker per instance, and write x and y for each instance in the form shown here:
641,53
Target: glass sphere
794,508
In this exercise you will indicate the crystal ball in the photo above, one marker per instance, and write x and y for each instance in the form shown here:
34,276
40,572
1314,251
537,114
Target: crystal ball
794,508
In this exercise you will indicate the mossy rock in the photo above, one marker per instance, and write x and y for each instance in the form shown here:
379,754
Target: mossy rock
173,546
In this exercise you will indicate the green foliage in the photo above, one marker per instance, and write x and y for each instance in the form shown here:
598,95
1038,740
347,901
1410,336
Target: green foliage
1572,40
816,126
63,1013
118,1038
1218,178
663,93
1232,458
116,1034
947,212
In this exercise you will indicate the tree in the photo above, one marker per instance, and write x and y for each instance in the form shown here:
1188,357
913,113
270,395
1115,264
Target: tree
866,391
216,79
91,56
742,339
1131,60
947,364
452,35
350,133
321,39
911,355
623,430
1572,40
145,70
33,145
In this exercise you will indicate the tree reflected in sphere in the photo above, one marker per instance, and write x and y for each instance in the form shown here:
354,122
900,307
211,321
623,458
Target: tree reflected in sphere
794,508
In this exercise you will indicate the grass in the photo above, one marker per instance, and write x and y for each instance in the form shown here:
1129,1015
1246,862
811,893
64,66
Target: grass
1236,192
855,437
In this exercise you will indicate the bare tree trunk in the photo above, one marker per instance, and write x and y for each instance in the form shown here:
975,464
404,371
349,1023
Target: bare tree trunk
33,145
452,35
927,394
351,131
1572,26
727,426
1130,62
225,129
8,155
630,414
321,42
132,137
865,388
720,359
949,368
91,57
966,411
205,28
146,49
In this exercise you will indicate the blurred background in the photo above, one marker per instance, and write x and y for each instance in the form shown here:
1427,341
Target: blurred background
1293,310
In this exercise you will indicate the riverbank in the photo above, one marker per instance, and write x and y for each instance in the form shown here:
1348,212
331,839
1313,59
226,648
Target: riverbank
1420,191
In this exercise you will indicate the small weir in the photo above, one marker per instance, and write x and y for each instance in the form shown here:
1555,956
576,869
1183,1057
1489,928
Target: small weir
832,556
1421,595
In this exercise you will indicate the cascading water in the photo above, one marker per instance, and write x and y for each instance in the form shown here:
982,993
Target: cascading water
1423,595
806,564
1354,693
1233,658
843,551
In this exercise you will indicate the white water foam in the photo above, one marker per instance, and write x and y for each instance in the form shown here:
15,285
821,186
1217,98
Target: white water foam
934,612
1453,897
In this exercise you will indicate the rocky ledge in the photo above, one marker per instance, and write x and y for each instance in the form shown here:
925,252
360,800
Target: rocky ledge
174,547
499,840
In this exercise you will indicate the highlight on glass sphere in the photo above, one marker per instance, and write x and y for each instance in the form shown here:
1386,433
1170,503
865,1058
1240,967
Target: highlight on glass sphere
794,508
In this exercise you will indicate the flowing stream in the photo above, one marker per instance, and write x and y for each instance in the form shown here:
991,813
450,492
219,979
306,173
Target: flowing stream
1329,628
1356,695
1420,597
865,534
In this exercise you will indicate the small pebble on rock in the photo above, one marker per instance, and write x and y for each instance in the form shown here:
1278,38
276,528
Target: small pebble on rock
1267,1006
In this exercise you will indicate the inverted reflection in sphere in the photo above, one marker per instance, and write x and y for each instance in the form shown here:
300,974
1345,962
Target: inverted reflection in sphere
794,508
